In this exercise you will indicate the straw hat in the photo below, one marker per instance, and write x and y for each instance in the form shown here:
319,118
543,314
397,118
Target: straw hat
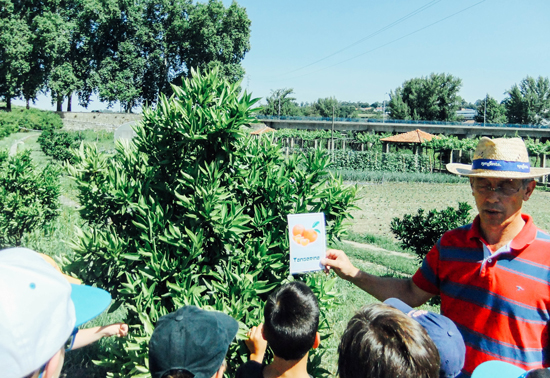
501,158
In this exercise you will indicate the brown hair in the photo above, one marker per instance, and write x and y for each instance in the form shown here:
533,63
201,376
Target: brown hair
178,373
380,341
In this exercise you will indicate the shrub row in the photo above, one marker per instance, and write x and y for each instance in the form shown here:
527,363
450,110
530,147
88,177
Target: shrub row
33,119
58,143
377,161
381,177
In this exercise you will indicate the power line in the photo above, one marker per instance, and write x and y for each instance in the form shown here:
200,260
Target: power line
389,26
389,43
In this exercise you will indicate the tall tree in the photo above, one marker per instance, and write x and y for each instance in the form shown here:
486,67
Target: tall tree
326,107
490,110
280,103
216,36
149,44
431,98
15,51
529,103
66,48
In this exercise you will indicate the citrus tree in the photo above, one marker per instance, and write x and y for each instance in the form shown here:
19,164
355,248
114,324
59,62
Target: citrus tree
193,212
29,196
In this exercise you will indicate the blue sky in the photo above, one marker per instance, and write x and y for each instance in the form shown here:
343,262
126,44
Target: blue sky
489,44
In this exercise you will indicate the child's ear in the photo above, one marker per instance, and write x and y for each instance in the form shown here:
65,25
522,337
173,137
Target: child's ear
317,341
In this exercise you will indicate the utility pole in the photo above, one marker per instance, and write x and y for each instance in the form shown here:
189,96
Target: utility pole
332,133
279,114
485,110
384,108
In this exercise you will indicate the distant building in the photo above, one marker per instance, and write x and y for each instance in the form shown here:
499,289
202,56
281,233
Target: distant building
466,114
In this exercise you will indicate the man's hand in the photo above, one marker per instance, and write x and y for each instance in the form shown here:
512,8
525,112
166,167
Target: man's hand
339,262
256,344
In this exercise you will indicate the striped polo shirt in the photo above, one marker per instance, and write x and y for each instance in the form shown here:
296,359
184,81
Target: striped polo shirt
500,301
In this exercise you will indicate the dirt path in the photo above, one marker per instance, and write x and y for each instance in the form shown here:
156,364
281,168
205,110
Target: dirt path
68,202
15,145
378,249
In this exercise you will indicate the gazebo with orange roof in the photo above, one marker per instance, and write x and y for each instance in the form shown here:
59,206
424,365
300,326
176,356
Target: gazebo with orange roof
262,129
416,136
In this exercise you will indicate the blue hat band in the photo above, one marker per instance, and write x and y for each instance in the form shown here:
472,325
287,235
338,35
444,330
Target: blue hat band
502,165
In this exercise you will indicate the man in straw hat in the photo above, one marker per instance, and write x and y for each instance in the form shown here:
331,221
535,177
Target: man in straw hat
493,274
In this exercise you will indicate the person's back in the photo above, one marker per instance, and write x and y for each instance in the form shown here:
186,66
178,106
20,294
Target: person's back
380,341
291,317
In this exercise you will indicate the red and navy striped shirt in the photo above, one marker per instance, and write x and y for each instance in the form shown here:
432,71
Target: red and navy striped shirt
499,302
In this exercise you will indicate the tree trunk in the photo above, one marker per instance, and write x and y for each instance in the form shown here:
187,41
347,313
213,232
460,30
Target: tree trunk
59,103
543,165
69,101
8,103
28,100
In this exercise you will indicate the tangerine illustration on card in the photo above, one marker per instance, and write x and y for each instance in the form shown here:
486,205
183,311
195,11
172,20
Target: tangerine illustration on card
307,242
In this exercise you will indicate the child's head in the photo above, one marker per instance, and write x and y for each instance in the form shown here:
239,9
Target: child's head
39,311
443,332
191,342
380,341
291,321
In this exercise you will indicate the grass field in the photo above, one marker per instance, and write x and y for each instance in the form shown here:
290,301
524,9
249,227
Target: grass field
379,204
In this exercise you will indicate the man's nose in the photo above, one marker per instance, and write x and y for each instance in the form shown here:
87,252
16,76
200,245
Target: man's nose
493,196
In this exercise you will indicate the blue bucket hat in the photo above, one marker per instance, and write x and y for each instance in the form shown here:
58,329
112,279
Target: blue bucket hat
443,332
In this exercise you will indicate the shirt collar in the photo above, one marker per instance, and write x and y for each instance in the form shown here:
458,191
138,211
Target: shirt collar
525,237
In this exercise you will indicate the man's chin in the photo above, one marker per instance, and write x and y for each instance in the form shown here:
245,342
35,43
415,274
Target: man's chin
492,217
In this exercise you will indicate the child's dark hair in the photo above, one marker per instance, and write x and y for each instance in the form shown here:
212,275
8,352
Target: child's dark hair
291,320
380,341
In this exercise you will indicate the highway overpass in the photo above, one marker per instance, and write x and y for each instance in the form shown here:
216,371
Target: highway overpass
396,126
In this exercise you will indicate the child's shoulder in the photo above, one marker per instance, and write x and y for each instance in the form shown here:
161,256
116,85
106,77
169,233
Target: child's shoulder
250,369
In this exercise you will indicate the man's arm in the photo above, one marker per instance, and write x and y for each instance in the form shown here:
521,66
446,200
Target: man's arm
381,288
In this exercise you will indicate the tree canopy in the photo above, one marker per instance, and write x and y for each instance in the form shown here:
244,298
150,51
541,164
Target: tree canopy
529,102
280,103
431,98
127,51
490,110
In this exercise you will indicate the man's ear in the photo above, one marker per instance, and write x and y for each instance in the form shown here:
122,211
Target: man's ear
529,190
317,341
54,365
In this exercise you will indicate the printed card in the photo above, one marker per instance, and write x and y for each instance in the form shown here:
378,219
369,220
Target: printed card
307,242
